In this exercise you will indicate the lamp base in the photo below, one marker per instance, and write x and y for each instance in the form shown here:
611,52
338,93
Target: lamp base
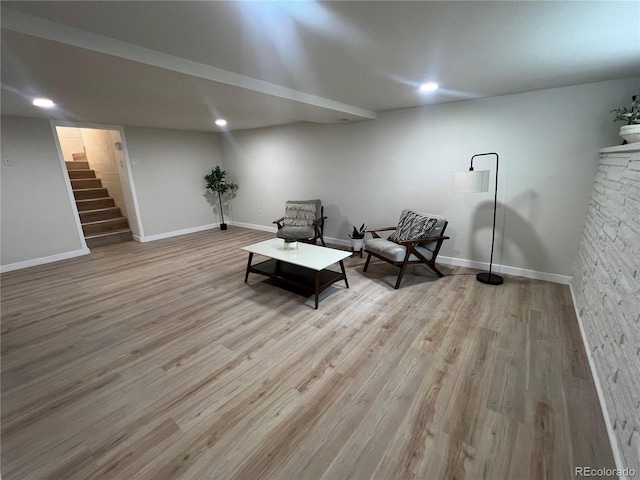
489,278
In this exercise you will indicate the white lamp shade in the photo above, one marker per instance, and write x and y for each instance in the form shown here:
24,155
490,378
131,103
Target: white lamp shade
474,181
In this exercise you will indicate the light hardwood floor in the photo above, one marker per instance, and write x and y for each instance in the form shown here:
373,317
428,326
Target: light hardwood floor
156,361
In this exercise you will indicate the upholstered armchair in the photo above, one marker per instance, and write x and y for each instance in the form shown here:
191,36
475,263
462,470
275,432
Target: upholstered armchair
415,240
303,221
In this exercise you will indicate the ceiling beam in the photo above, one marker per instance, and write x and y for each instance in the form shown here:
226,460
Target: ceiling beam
38,27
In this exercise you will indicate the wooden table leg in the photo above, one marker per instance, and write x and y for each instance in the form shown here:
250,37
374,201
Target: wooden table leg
246,275
344,273
317,287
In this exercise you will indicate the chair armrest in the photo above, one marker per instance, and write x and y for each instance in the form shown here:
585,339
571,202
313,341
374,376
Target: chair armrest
319,221
422,240
373,231
278,222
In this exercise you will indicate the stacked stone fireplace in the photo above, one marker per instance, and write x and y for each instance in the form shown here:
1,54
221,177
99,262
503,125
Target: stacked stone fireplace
606,286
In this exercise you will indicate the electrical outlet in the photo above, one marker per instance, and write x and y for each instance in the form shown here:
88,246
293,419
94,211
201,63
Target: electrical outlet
259,211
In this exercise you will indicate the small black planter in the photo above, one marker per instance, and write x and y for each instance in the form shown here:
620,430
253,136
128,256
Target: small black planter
223,226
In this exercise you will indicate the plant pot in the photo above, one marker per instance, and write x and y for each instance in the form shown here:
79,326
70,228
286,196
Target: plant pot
631,133
356,244
223,226
290,244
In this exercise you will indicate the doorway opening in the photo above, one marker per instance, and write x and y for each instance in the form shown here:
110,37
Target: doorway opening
96,165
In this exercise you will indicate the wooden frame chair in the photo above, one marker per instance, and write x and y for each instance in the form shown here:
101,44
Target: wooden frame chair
301,230
419,250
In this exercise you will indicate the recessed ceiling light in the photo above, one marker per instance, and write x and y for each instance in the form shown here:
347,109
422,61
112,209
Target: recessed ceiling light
221,122
43,103
429,87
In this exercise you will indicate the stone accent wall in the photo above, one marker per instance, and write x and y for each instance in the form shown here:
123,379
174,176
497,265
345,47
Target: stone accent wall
606,284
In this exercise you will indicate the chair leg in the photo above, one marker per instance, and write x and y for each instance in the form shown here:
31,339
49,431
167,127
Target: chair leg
440,274
432,266
366,264
402,269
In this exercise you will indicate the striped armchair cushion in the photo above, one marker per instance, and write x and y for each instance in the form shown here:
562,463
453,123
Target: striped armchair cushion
300,213
412,225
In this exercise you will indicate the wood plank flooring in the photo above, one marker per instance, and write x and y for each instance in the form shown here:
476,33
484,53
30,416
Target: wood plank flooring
156,361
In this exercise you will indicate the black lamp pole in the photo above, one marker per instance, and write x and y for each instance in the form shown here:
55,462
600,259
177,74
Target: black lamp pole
484,277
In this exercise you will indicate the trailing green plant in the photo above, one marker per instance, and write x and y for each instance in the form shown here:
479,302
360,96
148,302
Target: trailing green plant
358,233
631,116
217,183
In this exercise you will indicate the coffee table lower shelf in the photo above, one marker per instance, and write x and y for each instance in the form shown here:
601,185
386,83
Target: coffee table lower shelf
306,279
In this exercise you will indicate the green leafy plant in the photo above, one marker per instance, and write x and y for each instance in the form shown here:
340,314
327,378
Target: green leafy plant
217,183
358,232
631,116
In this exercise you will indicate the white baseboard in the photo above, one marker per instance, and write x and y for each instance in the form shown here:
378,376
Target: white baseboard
43,260
507,270
253,226
175,233
338,241
613,440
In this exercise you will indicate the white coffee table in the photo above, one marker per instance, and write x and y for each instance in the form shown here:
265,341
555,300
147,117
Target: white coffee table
304,267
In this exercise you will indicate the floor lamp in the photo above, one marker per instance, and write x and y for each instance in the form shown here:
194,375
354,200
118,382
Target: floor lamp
474,182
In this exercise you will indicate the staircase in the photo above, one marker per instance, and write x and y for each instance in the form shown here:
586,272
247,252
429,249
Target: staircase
102,222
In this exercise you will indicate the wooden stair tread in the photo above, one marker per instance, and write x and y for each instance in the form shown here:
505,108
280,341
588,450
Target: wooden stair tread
110,232
77,165
87,204
90,193
97,210
80,200
84,180
108,220
78,174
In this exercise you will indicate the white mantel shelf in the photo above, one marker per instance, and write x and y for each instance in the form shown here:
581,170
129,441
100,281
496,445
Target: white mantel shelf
629,147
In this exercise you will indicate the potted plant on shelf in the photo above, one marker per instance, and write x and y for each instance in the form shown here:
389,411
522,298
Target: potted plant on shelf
357,238
217,184
631,131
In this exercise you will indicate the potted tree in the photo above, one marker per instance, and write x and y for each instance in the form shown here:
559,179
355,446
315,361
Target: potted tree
631,131
357,238
217,184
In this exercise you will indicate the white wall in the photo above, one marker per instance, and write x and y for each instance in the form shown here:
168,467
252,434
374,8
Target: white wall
37,220
168,169
548,143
